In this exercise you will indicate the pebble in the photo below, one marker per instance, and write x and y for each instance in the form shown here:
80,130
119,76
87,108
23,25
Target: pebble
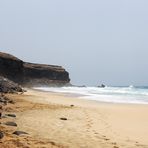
63,118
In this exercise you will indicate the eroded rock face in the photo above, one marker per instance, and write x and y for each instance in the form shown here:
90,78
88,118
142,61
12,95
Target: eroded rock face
10,67
31,74
40,74
7,86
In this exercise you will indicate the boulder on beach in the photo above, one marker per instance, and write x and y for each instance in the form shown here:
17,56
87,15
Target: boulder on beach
1,134
7,86
11,115
18,133
10,123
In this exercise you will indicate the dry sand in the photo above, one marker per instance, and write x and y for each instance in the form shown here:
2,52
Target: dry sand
89,124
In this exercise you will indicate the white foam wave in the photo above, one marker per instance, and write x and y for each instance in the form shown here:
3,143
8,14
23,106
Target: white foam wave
107,94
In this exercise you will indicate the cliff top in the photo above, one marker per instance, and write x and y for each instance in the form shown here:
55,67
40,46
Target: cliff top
8,56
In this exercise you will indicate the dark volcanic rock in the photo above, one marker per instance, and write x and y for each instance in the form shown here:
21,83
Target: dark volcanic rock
11,115
102,86
10,66
11,124
63,118
41,74
1,108
7,86
1,134
31,74
18,133
4,100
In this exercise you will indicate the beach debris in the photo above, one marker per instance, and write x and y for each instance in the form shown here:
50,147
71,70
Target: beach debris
72,105
63,118
18,133
1,134
11,115
10,123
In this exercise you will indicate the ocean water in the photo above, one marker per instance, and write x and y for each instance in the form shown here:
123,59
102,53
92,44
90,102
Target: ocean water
130,94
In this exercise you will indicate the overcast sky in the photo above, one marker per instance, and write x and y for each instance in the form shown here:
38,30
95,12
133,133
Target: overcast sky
97,41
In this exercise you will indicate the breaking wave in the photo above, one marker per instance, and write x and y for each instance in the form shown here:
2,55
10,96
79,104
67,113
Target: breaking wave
130,94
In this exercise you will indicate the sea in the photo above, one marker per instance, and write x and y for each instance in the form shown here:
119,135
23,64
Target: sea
121,94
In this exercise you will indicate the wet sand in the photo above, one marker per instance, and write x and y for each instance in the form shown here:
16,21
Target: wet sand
86,124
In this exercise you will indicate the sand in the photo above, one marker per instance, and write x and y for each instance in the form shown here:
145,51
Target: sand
89,124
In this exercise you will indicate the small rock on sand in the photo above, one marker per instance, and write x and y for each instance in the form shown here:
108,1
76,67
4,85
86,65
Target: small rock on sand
11,115
1,134
10,123
11,102
1,111
63,118
18,133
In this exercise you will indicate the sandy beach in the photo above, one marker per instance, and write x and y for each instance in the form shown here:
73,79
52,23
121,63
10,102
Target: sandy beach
61,120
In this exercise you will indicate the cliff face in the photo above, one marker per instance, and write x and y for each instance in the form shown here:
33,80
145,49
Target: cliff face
10,66
31,74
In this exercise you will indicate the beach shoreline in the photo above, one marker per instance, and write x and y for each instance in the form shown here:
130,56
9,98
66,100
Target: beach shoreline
57,120
126,95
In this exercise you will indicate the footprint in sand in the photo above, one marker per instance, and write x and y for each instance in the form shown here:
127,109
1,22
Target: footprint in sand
102,138
89,122
89,125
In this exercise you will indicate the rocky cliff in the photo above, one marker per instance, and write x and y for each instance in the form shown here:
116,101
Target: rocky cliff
7,86
31,74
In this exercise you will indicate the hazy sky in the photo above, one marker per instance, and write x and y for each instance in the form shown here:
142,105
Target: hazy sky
97,41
